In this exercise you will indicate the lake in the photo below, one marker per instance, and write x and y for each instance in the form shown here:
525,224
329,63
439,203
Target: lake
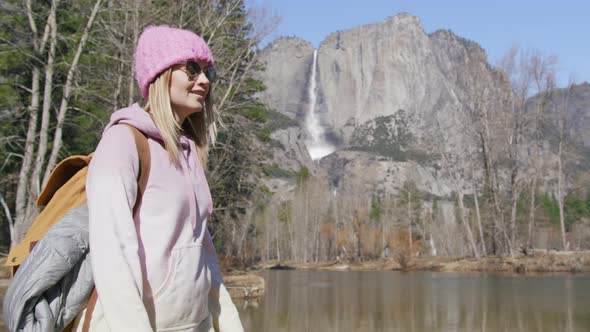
306,300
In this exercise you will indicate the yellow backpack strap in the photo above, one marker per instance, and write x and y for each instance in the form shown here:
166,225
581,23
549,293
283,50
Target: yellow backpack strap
143,151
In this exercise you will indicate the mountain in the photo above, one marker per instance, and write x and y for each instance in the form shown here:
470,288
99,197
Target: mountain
398,104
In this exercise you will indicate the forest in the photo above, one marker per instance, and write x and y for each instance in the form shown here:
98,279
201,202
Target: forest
66,65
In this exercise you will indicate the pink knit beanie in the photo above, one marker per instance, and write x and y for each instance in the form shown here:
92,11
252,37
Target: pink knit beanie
160,47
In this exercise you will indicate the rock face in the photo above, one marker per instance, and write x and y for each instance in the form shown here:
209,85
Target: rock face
374,71
388,93
287,64
379,70
578,113
580,97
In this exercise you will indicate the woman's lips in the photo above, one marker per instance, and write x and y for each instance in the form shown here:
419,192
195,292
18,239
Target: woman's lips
199,94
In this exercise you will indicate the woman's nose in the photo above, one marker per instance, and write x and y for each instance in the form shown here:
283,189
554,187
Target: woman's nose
202,79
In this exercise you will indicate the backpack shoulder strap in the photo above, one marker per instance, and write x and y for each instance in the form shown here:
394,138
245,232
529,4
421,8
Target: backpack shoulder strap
143,151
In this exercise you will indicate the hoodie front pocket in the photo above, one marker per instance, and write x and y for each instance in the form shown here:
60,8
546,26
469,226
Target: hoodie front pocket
182,299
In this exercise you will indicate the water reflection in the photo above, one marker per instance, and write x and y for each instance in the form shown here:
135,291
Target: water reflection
420,301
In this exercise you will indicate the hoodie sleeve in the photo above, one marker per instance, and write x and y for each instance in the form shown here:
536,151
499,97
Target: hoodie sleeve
216,279
229,318
212,262
111,188
223,311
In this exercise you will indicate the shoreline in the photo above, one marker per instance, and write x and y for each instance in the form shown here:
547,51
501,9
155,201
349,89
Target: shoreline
538,263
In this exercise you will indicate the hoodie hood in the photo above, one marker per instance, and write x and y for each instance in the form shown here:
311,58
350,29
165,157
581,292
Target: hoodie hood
136,116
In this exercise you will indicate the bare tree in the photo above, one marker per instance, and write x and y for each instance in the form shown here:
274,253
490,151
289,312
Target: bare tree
410,196
485,104
67,91
530,73
410,218
478,218
544,82
561,110
135,29
25,208
47,93
38,46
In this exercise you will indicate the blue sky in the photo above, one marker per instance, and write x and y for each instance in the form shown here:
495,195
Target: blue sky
560,28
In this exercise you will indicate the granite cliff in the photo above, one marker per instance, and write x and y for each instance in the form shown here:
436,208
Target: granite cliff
390,97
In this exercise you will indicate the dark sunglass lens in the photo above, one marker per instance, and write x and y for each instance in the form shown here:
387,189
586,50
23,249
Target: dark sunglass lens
211,73
193,68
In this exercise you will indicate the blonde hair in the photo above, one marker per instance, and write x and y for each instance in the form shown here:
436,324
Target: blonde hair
201,127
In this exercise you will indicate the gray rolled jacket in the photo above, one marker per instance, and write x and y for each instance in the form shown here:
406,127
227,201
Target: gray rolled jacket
54,282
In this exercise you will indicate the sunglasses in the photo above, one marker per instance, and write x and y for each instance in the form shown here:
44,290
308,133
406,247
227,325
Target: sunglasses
193,70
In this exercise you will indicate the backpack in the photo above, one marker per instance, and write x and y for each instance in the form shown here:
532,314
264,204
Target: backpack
64,192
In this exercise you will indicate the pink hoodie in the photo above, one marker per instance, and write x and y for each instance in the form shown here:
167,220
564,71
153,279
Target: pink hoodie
155,269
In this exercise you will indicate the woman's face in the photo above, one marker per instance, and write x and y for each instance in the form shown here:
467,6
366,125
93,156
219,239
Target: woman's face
188,92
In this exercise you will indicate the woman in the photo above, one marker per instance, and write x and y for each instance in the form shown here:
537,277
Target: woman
155,266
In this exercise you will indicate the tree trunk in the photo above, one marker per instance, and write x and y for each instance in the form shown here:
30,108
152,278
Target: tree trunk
317,241
9,219
383,236
120,69
57,138
562,118
560,192
499,217
501,231
119,84
277,238
45,113
479,224
131,82
514,147
21,221
514,205
410,223
529,240
466,224
181,16
537,164
336,223
308,235
489,189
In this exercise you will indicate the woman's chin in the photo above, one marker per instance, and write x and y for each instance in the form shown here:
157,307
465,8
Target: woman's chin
183,111
195,106
198,108
198,105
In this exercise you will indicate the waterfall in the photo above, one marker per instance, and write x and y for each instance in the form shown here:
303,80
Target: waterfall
318,147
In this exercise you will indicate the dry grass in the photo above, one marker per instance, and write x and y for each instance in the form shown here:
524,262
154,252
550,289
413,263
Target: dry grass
244,286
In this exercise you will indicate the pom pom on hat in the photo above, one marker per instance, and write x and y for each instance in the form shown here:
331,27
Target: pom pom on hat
160,47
